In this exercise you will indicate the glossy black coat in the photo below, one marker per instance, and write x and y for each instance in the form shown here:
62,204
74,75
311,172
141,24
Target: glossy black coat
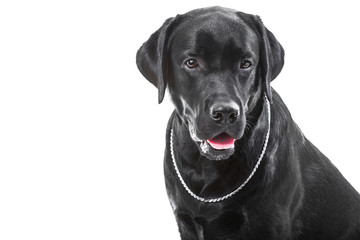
296,193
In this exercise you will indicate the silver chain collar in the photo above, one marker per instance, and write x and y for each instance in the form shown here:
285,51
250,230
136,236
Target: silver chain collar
242,185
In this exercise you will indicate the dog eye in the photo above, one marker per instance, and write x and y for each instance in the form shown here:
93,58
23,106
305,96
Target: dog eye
245,64
191,63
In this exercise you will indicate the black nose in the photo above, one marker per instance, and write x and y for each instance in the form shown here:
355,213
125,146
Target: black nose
225,112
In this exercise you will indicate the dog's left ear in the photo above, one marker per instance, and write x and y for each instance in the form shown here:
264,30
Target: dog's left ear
151,58
271,56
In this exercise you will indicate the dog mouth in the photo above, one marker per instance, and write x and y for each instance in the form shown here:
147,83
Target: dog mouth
221,142
218,148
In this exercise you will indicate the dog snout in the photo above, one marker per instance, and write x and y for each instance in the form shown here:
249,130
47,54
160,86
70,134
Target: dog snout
225,112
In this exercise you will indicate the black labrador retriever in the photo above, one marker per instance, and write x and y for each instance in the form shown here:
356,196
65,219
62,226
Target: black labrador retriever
236,165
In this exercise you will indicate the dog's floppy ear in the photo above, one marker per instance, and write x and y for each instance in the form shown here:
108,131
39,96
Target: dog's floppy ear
151,58
271,56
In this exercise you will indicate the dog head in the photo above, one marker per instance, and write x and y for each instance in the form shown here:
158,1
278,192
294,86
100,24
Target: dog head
217,64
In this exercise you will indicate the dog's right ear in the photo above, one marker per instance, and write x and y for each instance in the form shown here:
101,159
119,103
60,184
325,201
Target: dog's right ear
151,58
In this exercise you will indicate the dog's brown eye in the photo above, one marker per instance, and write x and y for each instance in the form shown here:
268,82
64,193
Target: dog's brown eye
191,63
245,64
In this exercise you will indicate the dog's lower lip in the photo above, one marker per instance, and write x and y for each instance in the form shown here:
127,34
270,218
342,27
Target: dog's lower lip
215,154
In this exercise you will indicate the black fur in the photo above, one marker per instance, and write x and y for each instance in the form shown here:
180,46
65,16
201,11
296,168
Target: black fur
296,193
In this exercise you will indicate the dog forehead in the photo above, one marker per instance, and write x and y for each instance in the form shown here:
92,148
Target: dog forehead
213,30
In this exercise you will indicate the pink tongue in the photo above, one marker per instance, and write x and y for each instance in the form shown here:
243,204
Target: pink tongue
221,142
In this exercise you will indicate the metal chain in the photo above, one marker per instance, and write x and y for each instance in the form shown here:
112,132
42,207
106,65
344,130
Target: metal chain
242,185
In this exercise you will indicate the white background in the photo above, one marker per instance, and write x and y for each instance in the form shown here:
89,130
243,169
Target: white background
82,135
